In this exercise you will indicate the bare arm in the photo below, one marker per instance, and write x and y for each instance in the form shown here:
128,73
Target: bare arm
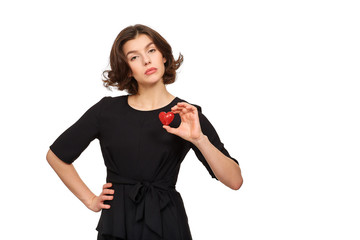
69,176
224,168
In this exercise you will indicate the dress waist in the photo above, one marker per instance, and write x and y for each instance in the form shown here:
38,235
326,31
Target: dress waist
150,199
164,184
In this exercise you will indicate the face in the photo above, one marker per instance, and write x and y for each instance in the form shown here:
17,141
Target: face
145,60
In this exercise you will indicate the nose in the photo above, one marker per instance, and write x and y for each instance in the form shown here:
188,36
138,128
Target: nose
147,60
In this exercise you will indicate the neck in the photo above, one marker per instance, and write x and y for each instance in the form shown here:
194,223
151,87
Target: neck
149,98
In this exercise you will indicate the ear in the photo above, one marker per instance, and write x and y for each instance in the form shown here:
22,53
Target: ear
164,60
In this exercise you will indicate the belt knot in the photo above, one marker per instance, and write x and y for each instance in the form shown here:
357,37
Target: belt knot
149,197
139,190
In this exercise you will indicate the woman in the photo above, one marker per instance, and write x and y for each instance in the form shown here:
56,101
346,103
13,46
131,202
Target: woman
142,156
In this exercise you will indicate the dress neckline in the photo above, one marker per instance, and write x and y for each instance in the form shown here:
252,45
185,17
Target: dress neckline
152,110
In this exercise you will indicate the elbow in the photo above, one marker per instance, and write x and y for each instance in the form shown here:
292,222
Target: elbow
54,161
48,157
237,184
51,158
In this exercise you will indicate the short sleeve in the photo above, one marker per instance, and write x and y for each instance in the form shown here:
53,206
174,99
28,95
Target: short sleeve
74,140
208,129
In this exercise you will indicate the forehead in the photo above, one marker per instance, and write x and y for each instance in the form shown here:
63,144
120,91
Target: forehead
136,44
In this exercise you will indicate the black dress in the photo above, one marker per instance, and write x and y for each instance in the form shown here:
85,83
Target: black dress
142,161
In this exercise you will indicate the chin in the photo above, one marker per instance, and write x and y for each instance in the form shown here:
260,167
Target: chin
154,79
151,81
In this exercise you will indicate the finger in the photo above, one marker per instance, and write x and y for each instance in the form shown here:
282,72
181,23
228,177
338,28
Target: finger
175,107
106,197
106,206
108,191
186,110
186,105
175,111
107,185
107,194
179,109
182,111
182,105
170,129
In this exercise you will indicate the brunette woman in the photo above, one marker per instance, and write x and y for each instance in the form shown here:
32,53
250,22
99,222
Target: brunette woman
141,154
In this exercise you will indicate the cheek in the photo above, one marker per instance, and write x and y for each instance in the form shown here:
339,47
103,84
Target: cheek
133,67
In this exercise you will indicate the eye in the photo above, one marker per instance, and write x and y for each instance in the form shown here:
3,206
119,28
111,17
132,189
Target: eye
133,58
152,50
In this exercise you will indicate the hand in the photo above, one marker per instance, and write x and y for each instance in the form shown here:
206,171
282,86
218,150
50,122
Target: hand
189,128
97,202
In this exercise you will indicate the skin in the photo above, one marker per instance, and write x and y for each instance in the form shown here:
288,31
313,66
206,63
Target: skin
152,94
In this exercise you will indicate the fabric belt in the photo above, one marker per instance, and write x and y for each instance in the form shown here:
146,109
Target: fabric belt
150,198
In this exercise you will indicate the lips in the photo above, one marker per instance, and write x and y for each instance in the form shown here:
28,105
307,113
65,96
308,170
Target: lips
150,71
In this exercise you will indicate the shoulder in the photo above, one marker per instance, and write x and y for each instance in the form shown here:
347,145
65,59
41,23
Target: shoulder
112,99
111,103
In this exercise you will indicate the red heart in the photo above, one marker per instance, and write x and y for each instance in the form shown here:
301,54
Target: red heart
166,118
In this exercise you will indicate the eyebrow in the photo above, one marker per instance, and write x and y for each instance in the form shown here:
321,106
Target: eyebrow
134,51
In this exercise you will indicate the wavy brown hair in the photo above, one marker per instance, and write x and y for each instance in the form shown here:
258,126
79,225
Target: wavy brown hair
118,76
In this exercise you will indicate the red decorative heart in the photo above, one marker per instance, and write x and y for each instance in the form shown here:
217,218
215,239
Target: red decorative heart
166,118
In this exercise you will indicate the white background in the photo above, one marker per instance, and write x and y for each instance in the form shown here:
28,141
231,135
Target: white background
279,80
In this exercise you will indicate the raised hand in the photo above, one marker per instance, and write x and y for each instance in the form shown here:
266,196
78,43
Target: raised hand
189,128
